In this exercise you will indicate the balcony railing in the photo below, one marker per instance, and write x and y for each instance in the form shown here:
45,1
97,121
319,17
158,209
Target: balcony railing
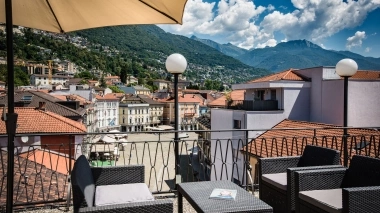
42,166
259,105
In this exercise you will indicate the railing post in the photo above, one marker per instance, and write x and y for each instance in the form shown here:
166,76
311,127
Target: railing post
70,168
247,164
176,140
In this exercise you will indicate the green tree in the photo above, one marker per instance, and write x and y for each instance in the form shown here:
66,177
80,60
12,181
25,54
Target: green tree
103,82
115,89
21,77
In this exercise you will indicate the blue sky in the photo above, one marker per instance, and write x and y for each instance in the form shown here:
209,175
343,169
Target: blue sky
332,24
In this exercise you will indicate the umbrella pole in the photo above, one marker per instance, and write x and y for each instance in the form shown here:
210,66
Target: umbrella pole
11,117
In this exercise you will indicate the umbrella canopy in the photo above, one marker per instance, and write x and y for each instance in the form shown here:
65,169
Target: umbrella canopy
71,15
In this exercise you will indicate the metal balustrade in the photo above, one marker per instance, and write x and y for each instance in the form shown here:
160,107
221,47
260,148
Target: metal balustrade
42,171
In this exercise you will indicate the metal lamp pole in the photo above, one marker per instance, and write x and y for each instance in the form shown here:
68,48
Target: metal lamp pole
176,123
176,64
345,68
10,117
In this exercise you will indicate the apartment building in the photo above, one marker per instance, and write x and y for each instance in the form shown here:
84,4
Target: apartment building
43,80
312,94
161,84
134,114
107,111
188,106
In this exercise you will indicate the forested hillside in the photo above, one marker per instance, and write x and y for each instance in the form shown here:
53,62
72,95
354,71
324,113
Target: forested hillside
140,51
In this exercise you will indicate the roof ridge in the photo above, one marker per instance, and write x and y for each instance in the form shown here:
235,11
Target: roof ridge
64,119
288,71
65,107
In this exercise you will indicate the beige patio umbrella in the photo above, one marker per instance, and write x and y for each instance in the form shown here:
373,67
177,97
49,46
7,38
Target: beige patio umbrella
70,15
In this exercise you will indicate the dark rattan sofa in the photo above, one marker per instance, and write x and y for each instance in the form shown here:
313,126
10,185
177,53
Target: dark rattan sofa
113,189
276,175
354,189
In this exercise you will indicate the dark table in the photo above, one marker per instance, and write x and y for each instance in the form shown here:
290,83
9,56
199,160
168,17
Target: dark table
198,193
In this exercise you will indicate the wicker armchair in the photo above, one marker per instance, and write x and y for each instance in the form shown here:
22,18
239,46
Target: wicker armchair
276,179
353,189
113,189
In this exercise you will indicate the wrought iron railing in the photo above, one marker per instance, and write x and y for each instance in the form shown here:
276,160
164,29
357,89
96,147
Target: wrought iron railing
42,168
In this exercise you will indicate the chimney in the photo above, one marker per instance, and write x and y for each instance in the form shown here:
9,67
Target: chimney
42,106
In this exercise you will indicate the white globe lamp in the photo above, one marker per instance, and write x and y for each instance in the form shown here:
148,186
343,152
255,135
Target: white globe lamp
176,63
346,67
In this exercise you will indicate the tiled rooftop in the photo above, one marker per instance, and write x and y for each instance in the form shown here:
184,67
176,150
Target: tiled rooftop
32,120
42,184
53,161
187,98
221,101
51,103
366,75
288,75
271,143
81,100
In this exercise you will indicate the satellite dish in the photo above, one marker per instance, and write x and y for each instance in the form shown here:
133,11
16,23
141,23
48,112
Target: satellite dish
24,139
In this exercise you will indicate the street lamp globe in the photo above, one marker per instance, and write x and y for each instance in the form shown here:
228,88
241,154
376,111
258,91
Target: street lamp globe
176,63
346,67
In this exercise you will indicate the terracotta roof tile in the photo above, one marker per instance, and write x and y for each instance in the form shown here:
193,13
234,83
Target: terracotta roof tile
366,75
221,101
288,75
187,98
109,96
81,100
43,184
274,143
31,120
53,161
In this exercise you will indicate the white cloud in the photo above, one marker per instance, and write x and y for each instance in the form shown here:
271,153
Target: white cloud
239,21
355,40
270,7
269,43
368,49
196,14
317,19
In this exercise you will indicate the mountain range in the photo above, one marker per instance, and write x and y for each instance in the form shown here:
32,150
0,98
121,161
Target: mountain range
292,54
153,43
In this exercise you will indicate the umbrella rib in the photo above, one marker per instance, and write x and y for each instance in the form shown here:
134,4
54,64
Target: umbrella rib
159,11
51,9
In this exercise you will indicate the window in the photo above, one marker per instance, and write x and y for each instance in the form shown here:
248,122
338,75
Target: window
237,124
123,111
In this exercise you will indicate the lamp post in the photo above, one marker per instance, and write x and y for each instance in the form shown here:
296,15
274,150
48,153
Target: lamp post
176,64
345,68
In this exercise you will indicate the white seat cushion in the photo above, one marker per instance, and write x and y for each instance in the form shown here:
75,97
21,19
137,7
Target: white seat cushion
329,200
124,193
278,179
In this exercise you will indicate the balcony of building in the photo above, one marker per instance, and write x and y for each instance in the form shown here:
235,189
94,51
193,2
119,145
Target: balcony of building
253,105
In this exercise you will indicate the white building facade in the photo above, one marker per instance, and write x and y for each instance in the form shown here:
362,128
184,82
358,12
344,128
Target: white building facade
314,94
107,111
